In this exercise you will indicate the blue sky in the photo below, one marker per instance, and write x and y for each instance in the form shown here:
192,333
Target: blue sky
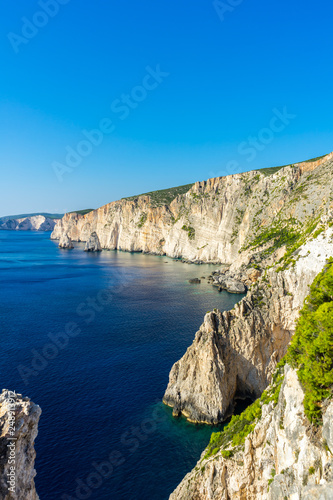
226,75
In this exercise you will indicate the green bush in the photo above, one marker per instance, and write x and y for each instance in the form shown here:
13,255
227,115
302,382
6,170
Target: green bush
226,453
311,348
190,231
142,220
242,425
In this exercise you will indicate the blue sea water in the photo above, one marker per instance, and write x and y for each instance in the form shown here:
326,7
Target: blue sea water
101,393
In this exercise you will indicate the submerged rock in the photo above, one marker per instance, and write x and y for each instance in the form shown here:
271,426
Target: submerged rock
194,280
93,243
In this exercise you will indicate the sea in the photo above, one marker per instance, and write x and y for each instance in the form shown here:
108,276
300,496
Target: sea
91,339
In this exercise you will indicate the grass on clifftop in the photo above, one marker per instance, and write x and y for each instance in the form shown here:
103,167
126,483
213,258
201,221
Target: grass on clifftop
311,348
82,212
164,196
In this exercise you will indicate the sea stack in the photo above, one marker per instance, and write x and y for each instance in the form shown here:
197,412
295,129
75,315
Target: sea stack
66,242
93,243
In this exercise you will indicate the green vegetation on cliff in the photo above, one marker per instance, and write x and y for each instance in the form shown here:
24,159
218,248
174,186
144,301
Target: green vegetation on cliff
163,196
190,231
82,212
240,426
310,352
311,348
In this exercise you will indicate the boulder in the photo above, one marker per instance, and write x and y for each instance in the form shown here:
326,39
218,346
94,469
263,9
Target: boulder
234,286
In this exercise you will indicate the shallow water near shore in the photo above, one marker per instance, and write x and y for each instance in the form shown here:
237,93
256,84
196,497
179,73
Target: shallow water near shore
101,392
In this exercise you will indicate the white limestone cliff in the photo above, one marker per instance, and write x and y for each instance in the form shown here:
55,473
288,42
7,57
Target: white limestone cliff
282,458
235,353
214,219
34,223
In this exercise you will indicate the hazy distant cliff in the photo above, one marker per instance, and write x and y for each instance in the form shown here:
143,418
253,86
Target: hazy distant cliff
213,220
33,223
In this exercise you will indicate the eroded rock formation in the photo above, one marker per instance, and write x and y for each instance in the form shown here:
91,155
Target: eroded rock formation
235,353
65,242
21,452
93,243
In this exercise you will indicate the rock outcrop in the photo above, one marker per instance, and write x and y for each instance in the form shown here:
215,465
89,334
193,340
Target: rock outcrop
34,223
235,353
93,243
282,458
214,219
65,242
21,415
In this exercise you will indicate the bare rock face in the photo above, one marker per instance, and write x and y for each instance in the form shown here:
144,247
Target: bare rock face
21,452
213,220
93,244
235,353
65,242
281,458
198,387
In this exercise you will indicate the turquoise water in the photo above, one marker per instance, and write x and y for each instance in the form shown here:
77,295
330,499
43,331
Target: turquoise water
104,433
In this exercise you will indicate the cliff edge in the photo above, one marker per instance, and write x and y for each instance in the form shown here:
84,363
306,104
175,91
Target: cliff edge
19,427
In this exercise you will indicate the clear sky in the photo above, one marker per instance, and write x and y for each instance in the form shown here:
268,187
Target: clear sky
193,90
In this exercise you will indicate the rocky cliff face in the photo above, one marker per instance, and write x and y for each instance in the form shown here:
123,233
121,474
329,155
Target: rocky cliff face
273,230
65,242
213,220
93,244
235,353
19,420
282,458
34,223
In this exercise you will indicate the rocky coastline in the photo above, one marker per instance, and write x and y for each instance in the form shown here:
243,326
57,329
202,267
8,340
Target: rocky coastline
270,234
214,221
